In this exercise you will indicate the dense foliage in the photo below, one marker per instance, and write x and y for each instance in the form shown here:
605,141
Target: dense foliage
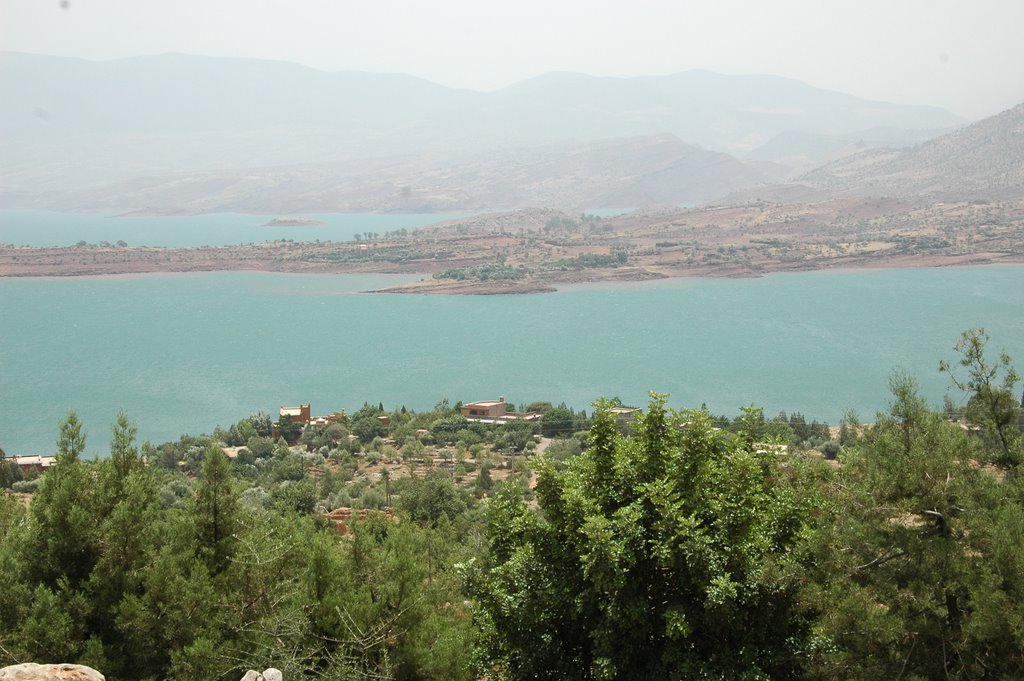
665,555
679,545
144,572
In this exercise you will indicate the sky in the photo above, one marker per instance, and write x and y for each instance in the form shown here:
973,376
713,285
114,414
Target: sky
964,55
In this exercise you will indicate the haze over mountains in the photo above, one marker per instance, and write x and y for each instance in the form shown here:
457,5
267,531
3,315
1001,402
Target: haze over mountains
178,133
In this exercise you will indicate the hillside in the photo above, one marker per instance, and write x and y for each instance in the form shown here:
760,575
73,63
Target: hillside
807,150
983,161
641,171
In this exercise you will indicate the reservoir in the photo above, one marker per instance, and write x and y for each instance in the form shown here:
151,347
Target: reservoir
45,228
184,353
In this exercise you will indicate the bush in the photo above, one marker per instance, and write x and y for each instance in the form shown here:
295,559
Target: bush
255,498
413,449
291,468
427,499
372,499
830,449
563,449
244,457
25,486
389,453
338,500
484,483
295,496
467,437
261,447
175,494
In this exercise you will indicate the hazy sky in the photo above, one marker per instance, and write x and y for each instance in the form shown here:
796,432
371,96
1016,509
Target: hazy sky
965,55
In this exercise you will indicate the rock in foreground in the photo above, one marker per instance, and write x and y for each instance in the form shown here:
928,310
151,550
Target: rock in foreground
31,671
271,674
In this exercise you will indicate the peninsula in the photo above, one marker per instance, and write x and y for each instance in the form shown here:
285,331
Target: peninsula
537,250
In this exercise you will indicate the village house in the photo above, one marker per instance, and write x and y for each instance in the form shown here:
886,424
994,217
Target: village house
494,411
624,413
35,463
486,409
302,415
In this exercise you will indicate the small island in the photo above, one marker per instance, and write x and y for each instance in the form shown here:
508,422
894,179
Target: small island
293,222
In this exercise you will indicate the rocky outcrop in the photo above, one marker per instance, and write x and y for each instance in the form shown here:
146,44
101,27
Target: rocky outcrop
49,672
340,518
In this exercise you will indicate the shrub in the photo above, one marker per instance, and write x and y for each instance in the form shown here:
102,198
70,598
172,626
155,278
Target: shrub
26,486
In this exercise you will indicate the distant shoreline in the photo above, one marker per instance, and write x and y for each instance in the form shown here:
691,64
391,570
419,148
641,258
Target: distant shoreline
539,250
66,262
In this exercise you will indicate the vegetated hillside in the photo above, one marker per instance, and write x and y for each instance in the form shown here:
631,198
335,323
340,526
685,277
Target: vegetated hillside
69,124
984,160
643,171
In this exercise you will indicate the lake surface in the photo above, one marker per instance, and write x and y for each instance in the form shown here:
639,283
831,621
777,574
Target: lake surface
184,353
44,228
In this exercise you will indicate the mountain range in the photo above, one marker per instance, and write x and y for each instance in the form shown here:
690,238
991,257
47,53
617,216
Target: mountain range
200,134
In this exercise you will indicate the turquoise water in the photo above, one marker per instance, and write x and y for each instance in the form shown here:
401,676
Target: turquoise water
184,353
43,228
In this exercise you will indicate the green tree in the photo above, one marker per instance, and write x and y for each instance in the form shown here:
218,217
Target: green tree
176,604
9,472
261,422
558,421
260,446
123,453
664,555
483,483
65,511
71,440
515,435
992,403
126,537
216,517
366,428
446,429
428,499
288,429
916,578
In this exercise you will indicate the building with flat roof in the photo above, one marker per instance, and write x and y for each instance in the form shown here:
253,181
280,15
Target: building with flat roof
300,413
33,462
624,413
485,409
495,411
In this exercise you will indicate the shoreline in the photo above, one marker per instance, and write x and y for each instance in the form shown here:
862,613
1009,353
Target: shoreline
540,250
534,284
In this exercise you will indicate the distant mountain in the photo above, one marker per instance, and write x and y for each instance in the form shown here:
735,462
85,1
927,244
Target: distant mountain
806,150
622,173
732,113
983,160
71,127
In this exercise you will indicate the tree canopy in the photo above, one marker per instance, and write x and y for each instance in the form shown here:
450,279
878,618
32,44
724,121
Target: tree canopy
665,555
